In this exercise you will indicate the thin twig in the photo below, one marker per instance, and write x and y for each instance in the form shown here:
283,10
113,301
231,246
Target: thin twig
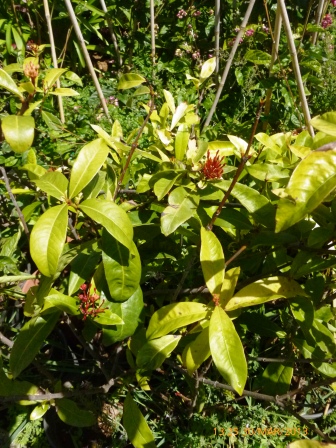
113,36
17,208
183,278
235,255
135,143
240,168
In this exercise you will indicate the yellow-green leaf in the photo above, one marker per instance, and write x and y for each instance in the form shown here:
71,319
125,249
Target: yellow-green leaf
227,350
153,353
7,83
325,123
181,141
18,131
130,80
52,75
136,426
48,238
169,100
197,351
207,69
212,261
64,91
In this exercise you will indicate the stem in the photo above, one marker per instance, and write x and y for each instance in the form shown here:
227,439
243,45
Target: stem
228,64
217,33
113,36
53,55
240,167
135,143
88,61
152,26
296,67
12,197
318,17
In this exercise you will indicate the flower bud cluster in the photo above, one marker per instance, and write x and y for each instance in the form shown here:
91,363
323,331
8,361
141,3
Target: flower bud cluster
181,14
326,21
88,302
31,70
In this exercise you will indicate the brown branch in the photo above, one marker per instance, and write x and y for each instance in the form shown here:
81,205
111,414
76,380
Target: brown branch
135,143
240,168
291,361
12,197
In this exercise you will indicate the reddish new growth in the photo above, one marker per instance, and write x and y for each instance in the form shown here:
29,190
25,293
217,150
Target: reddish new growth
213,167
89,302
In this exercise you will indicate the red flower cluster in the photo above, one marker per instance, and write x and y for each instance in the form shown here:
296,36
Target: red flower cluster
326,21
88,302
213,167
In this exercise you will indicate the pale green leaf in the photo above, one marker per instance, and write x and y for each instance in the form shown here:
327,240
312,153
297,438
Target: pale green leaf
9,388
182,206
325,123
229,285
179,113
174,316
55,299
153,353
52,75
112,217
39,411
265,290
197,351
72,415
7,83
136,426
207,69
53,183
212,261
89,161
169,100
311,182
227,350
18,131
64,91
48,238
29,341
181,141
130,80
258,57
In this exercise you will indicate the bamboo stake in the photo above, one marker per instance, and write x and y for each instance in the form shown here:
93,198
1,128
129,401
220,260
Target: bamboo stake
217,33
152,27
275,50
319,12
229,63
113,36
86,55
296,67
53,55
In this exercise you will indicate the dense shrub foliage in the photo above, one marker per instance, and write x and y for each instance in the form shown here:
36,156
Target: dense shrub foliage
167,224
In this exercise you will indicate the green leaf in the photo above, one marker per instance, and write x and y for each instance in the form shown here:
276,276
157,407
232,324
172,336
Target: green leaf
29,341
10,388
265,290
229,285
64,91
130,80
258,57
212,261
164,182
181,141
71,76
207,69
182,206
89,161
310,444
108,317
176,315
16,278
72,415
62,302
7,83
276,379
112,217
52,121
136,426
122,268
227,350
325,123
152,354
180,111
311,182
52,75
48,238
129,311
83,266
53,183
169,100
18,131
39,411
197,351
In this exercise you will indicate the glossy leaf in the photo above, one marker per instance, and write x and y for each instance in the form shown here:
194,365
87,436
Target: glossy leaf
129,311
136,426
152,354
197,351
39,411
107,317
229,285
89,161
83,266
169,100
122,268
165,183
182,206
179,113
18,131
29,341
48,238
258,57
310,444
227,350
207,69
311,182
7,83
176,315
72,415
265,290
181,141
276,379
9,387
53,183
52,75
55,299
325,123
112,217
212,261
130,80
64,91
